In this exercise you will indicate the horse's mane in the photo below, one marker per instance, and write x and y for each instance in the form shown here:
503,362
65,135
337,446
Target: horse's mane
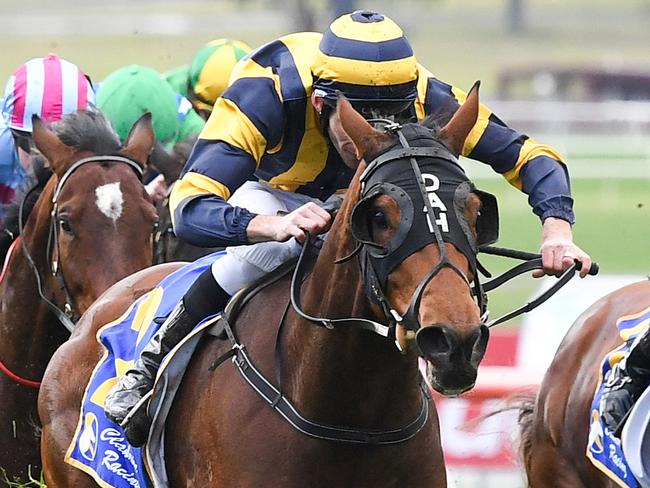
438,119
87,130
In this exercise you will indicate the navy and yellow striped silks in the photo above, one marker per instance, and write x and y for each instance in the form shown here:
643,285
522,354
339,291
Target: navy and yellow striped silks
99,447
265,127
604,448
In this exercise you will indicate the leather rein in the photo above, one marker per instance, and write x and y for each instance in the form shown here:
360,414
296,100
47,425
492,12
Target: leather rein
273,395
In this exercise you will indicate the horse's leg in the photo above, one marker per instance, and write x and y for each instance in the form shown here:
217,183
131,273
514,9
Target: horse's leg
57,473
59,406
545,466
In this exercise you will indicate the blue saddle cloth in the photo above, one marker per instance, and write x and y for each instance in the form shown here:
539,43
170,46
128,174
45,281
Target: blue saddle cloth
604,448
99,447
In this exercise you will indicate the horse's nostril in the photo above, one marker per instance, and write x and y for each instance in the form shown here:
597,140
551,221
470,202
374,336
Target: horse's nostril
479,344
434,341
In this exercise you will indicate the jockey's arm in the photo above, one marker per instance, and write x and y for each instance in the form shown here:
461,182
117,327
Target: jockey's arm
198,206
225,156
202,216
535,169
307,218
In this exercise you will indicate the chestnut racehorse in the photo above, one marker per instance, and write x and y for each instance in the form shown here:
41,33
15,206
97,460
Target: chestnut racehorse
555,425
220,432
91,226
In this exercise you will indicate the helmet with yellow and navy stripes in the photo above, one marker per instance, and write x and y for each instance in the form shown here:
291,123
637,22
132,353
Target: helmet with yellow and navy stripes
365,56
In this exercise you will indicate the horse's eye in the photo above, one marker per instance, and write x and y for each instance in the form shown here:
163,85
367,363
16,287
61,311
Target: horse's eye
379,220
64,222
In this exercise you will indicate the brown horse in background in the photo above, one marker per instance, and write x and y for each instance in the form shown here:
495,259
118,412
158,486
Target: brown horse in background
221,433
555,425
98,232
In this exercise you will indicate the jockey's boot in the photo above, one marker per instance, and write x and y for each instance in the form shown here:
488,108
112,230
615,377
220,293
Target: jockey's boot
625,383
125,403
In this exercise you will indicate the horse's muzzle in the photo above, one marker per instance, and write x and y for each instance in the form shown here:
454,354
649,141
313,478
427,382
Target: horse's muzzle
453,359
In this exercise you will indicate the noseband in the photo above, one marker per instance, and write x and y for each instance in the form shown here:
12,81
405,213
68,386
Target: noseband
68,315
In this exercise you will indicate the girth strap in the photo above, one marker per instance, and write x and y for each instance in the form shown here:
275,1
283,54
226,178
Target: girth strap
284,407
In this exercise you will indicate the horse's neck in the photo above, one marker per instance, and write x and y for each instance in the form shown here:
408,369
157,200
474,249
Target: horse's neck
25,323
347,375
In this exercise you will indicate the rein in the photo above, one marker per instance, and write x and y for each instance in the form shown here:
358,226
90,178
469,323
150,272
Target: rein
367,248
274,396
163,233
279,402
531,262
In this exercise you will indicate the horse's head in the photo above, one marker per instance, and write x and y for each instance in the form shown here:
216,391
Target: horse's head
419,271
99,216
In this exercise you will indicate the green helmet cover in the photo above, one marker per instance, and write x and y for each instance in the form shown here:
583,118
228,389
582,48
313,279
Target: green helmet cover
133,90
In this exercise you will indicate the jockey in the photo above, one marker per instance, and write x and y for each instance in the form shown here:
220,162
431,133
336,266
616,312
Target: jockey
126,94
210,70
625,382
49,87
263,163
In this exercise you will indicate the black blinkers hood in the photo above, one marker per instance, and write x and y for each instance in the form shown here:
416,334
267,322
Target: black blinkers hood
446,187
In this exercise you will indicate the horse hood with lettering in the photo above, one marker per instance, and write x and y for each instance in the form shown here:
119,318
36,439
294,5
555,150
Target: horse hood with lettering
446,187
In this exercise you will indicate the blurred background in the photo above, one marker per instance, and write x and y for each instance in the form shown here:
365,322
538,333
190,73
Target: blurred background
573,73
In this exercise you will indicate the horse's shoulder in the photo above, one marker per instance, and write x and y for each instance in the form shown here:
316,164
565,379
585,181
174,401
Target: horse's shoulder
119,297
597,324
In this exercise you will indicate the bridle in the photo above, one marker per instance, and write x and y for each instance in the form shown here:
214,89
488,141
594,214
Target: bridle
273,394
68,316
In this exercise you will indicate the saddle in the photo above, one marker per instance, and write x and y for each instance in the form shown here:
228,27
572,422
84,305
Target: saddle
173,367
636,439
243,296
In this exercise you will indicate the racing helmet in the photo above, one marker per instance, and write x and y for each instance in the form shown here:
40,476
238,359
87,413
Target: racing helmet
49,87
365,56
131,91
210,71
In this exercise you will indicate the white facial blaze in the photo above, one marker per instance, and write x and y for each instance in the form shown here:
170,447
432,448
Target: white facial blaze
431,185
109,200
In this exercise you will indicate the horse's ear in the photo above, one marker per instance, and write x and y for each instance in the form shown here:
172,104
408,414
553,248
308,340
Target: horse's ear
140,141
366,139
460,125
166,164
56,152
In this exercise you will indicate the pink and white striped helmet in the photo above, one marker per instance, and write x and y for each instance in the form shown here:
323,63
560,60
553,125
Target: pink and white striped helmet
49,87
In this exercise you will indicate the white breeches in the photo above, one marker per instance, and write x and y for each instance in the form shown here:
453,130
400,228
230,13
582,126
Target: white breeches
243,264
